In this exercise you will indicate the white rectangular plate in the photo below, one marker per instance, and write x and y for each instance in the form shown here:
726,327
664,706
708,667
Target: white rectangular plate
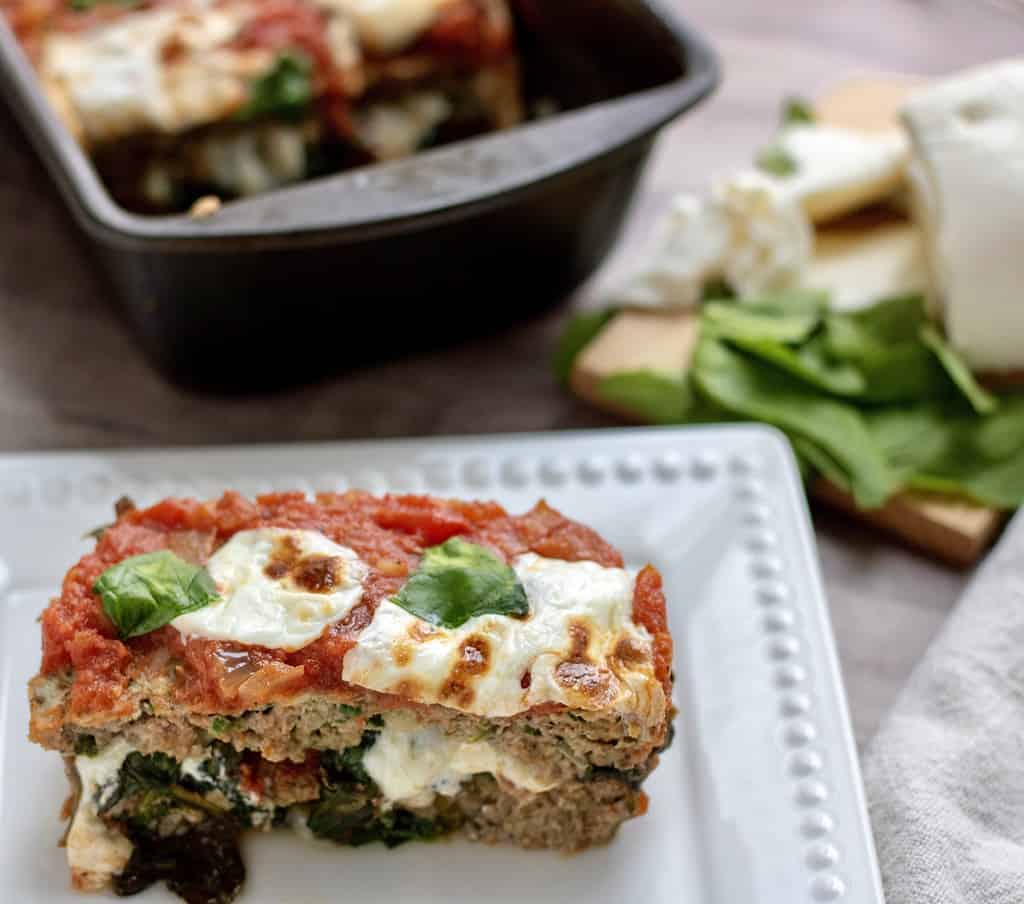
759,799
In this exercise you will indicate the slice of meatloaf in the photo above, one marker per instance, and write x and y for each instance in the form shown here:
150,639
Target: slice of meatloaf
357,668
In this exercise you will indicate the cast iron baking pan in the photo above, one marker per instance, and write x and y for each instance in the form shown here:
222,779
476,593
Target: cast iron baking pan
384,259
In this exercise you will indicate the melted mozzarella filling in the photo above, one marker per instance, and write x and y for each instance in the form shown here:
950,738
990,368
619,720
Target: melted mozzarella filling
410,763
92,847
258,609
164,70
525,658
387,26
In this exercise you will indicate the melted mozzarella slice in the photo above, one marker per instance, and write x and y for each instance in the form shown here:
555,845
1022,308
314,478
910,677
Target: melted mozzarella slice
92,847
279,588
578,646
164,70
410,763
387,26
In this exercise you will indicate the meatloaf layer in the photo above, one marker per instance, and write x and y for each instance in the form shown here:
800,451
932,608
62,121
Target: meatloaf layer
358,668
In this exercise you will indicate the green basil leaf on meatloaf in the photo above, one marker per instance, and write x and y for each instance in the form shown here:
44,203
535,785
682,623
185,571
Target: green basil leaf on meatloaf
285,91
146,592
457,581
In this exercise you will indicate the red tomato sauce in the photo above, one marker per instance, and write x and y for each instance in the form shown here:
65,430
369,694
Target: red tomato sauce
389,533
464,32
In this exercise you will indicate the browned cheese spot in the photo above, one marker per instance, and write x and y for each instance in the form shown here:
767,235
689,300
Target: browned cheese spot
314,573
421,631
318,574
282,557
578,674
630,652
402,654
474,660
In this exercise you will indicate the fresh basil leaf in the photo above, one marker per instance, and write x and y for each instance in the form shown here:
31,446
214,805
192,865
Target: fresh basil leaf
981,401
797,111
146,592
457,581
751,389
285,92
579,332
776,161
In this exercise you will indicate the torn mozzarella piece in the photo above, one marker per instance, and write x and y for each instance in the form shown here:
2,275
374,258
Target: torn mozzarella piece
770,238
751,233
689,251
838,170
968,187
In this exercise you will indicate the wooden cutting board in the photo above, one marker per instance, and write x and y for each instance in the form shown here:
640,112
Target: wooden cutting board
952,530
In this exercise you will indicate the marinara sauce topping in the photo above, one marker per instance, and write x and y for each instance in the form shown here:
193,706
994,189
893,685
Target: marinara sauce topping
388,533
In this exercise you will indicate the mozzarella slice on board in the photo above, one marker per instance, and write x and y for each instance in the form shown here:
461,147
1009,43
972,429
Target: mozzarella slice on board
839,171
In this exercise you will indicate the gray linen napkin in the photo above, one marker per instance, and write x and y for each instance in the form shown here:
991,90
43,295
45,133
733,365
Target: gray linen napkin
945,774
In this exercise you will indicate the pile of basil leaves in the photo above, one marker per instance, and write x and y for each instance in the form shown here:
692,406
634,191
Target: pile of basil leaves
874,400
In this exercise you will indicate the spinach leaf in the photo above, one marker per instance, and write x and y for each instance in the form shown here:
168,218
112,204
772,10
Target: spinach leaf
346,767
884,343
142,774
717,290
580,331
944,447
285,92
797,111
815,460
809,363
982,401
146,592
85,745
750,389
776,161
203,865
789,301
655,397
757,322
457,581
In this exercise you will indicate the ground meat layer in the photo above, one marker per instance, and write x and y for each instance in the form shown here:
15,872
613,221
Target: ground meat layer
567,744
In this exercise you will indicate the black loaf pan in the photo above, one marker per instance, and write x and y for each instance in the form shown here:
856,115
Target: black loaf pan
349,268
